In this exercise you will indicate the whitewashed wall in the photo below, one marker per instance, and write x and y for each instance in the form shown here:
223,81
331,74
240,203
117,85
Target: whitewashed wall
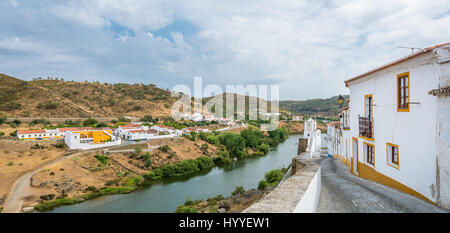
443,118
414,131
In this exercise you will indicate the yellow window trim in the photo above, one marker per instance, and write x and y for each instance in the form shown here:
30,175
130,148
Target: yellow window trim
369,139
365,155
387,156
357,152
365,97
406,74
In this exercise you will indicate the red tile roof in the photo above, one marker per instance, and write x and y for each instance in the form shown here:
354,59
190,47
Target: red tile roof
31,131
333,123
138,131
423,51
76,129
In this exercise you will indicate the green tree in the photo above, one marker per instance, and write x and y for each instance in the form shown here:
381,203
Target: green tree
90,122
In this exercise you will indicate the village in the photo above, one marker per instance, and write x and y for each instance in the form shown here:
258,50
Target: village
85,138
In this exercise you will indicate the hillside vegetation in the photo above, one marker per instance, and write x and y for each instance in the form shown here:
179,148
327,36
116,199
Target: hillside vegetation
58,98
314,107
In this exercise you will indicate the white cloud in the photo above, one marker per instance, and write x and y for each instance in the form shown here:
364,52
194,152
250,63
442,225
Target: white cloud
308,47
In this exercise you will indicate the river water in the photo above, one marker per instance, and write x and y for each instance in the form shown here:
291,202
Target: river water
165,196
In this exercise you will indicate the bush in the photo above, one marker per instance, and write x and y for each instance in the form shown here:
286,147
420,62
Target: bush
222,161
263,185
182,168
273,177
3,119
51,105
147,118
90,122
10,163
17,122
133,181
101,125
263,148
238,190
164,148
204,162
102,159
13,134
60,145
137,150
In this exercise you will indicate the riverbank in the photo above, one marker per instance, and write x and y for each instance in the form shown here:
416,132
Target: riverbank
240,198
211,150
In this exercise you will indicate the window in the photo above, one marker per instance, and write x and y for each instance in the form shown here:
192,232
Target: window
392,155
369,153
368,106
403,92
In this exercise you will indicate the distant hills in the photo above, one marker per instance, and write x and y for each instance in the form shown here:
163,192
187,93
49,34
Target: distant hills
314,107
56,98
61,99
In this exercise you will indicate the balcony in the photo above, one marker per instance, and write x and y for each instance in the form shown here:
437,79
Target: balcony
366,127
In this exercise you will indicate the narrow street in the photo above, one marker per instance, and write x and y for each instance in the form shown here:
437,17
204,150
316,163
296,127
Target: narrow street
343,192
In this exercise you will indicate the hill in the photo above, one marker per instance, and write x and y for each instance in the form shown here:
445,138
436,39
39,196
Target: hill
314,107
54,98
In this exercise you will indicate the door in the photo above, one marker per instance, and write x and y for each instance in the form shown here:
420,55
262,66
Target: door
355,156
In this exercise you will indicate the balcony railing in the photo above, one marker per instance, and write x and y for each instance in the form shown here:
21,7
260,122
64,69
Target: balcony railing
366,127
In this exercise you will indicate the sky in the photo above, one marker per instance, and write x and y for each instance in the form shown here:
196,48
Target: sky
308,48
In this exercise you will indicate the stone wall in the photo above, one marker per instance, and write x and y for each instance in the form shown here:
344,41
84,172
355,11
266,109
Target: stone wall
298,193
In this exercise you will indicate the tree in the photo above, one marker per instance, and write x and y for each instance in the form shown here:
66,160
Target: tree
89,122
2,119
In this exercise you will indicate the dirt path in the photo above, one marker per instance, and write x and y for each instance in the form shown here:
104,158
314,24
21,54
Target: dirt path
21,188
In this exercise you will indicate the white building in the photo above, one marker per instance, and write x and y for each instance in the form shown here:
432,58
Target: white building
297,118
123,130
91,139
140,134
40,134
197,117
162,129
311,132
399,124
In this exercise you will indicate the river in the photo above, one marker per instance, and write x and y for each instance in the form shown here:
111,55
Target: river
165,196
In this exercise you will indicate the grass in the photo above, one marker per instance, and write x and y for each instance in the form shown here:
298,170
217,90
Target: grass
46,206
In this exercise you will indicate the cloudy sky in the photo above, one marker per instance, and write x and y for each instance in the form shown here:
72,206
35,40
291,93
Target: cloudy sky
308,48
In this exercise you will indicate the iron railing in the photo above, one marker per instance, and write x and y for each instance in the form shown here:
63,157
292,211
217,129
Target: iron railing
366,127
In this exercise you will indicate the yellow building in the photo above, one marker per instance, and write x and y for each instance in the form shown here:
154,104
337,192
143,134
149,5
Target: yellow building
96,136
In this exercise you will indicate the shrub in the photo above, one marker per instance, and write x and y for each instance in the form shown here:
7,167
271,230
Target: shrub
10,163
13,134
137,150
3,119
273,177
51,105
133,181
60,145
17,122
263,185
89,122
204,162
101,125
164,148
238,190
263,148
102,159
